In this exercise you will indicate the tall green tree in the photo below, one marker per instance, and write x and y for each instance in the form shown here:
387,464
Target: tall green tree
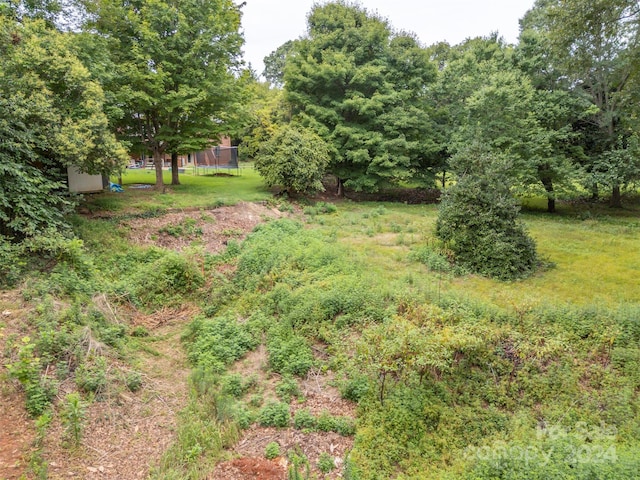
264,112
485,96
595,45
175,63
363,89
275,62
52,116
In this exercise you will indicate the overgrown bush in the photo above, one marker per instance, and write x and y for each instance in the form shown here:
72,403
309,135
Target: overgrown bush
289,353
275,414
287,389
304,420
294,159
272,450
478,219
213,344
344,426
91,376
432,259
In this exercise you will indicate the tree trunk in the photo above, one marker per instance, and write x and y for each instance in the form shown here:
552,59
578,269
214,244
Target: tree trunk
551,199
444,179
616,198
340,187
158,161
175,180
595,192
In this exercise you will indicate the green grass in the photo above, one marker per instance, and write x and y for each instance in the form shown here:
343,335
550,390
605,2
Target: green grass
596,260
470,361
194,191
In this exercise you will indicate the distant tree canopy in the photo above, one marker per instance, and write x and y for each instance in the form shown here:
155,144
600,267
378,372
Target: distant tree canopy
275,62
562,103
174,87
594,46
363,88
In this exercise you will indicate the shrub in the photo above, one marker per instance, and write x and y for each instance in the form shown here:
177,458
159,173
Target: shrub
344,426
156,278
12,262
38,391
326,463
431,258
303,420
73,414
478,219
272,450
289,354
133,380
287,388
233,385
275,414
91,376
355,388
295,159
215,343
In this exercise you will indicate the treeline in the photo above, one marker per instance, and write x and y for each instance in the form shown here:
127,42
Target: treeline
559,106
85,83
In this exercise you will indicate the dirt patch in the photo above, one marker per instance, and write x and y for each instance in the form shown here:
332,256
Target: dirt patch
16,435
250,468
319,396
309,444
16,428
212,229
126,435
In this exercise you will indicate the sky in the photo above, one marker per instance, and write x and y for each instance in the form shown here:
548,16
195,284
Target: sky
267,24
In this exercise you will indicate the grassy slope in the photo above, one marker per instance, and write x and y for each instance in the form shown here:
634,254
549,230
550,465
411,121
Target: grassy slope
596,262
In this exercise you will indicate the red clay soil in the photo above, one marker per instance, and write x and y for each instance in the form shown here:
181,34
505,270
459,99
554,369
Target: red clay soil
16,436
16,430
250,468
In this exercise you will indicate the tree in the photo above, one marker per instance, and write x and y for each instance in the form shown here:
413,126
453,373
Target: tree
478,217
595,46
275,62
51,117
363,89
264,112
485,97
295,159
174,58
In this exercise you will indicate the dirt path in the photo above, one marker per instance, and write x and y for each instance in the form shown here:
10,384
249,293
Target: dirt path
16,428
126,436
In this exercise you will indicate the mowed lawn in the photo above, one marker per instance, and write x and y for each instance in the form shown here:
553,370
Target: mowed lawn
195,191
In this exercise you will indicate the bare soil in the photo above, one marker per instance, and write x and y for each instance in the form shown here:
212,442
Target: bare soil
126,434
318,396
16,428
212,229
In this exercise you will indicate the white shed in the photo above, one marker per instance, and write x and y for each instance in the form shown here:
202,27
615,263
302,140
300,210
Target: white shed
83,182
